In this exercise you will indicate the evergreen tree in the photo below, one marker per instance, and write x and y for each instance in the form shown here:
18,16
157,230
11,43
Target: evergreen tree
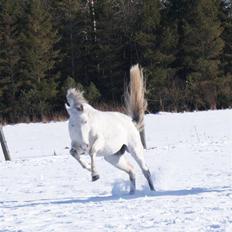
199,48
202,47
225,85
107,75
65,15
48,46
161,86
9,58
175,15
66,19
38,57
155,43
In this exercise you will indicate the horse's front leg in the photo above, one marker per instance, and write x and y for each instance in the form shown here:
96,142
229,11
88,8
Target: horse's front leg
93,152
94,173
74,152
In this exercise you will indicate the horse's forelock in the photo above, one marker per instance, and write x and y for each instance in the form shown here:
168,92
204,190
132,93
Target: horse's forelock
75,97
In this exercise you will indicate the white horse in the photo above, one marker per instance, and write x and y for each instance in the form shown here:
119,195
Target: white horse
109,134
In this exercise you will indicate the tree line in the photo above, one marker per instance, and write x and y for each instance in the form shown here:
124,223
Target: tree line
47,46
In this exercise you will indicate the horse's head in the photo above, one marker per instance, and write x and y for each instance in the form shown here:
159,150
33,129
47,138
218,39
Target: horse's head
79,117
80,125
75,104
75,110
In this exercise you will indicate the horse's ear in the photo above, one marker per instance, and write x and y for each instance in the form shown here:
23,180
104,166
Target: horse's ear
80,108
67,108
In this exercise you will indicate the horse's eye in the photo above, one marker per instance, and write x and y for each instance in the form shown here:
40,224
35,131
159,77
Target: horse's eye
84,121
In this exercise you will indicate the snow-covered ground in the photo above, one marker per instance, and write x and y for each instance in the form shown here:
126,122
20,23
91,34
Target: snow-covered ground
189,155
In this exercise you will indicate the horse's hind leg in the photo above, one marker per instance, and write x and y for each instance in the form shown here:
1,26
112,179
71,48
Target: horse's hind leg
118,160
138,156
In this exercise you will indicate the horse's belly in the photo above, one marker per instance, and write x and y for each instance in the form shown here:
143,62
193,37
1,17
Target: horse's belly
109,150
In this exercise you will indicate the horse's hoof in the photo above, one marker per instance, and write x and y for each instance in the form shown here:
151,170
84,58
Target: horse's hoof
96,177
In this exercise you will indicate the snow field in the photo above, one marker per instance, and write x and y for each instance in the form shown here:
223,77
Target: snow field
190,158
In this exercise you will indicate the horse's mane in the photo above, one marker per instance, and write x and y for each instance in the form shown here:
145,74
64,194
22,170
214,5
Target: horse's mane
75,97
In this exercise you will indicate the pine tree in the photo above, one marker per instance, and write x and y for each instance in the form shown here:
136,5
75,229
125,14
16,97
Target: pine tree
161,86
198,51
154,43
9,58
225,85
38,57
202,47
66,15
47,46
106,51
174,16
66,18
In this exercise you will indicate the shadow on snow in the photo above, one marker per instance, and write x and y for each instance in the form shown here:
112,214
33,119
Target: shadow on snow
113,197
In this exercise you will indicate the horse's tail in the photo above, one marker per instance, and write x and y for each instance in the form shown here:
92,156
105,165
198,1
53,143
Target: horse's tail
135,101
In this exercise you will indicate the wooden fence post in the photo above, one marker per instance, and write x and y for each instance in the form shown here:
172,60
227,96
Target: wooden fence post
4,145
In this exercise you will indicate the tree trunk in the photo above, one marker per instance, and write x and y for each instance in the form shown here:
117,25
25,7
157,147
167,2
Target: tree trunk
213,104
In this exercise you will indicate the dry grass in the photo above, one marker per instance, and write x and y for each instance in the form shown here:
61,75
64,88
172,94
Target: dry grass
62,116
110,107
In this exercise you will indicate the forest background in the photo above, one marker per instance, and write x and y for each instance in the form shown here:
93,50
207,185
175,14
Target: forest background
47,46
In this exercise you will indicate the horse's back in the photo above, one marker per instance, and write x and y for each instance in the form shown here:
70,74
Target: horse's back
116,129
115,121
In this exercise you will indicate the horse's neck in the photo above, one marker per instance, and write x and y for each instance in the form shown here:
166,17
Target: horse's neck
88,108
